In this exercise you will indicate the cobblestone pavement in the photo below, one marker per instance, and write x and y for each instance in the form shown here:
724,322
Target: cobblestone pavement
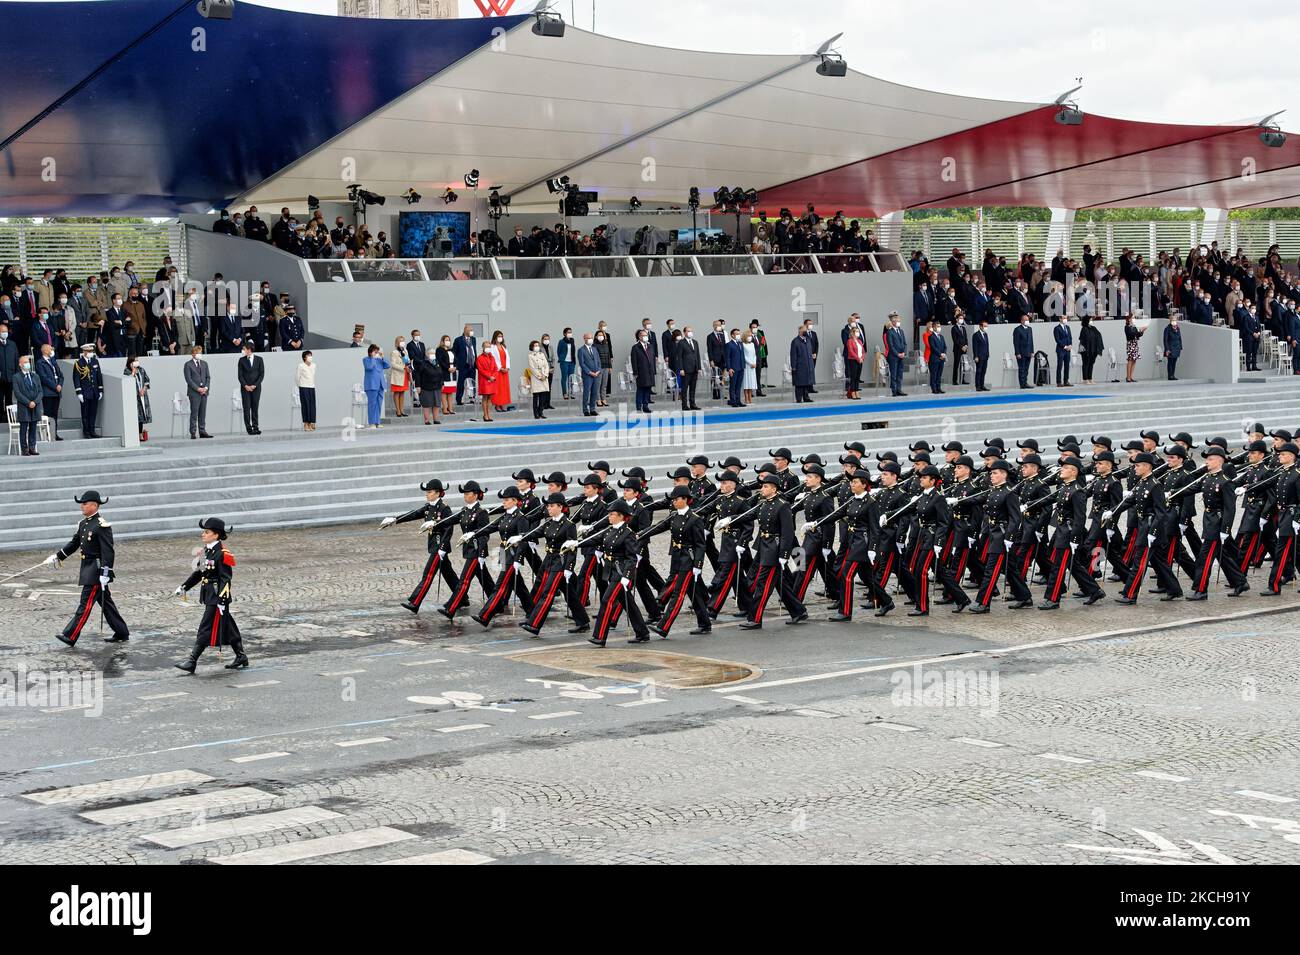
1161,733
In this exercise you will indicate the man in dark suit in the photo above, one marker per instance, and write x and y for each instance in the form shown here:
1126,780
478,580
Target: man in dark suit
717,346
8,365
464,352
923,304
643,369
688,362
960,346
27,396
1173,347
51,375
1248,328
734,359
43,331
813,344
979,347
666,340
198,382
114,333
1022,342
1064,349
936,357
801,365
895,354
251,372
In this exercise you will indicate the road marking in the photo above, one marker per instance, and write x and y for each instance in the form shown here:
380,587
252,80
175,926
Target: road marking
68,709
447,857
900,727
972,741
555,716
257,756
312,848
746,699
464,726
248,686
363,742
1267,797
647,701
1166,777
163,696
341,673
1063,759
117,787
420,663
309,626
239,826
549,646
170,807
410,643
357,633
266,619
821,713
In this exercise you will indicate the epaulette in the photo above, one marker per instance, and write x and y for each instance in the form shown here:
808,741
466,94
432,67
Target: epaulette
102,522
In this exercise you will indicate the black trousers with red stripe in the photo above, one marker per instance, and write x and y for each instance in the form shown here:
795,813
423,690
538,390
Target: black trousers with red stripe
510,580
474,569
994,565
1284,559
858,567
612,604
549,585
1250,546
1225,552
815,562
1156,554
767,579
587,574
432,567
681,585
647,583
1112,543
728,580
92,594
218,629
1066,563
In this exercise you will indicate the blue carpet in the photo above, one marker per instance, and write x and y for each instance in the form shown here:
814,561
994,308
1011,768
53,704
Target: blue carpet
731,417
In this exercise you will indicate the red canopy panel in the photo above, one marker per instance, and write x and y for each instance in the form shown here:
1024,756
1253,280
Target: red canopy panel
1031,160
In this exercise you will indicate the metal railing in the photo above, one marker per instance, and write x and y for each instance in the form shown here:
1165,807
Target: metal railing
91,247
584,267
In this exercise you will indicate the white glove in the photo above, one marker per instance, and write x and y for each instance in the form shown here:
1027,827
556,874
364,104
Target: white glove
871,556
1262,522
390,521
519,568
800,496
696,571
81,397
178,592
52,559
569,545
582,529
1239,491
467,537
1151,539
806,526
724,523
624,581
826,553
1295,526
512,541
1182,528
221,609
740,552
1223,537
1107,516
884,520
950,501
1024,510
103,581
937,550
442,554
427,526
970,542
568,574
600,555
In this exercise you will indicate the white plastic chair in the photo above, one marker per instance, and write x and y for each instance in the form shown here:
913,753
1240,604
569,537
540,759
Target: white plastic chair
180,409
15,437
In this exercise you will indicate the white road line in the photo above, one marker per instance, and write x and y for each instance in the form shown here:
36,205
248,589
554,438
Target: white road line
266,619
67,709
162,696
363,742
248,686
117,787
555,716
257,756
341,673
1063,759
814,677
746,699
420,663
410,643
448,649
447,857
462,727
239,826
1166,777
647,701
972,741
549,646
170,807
821,713
357,633
312,848
1267,797
309,626
899,727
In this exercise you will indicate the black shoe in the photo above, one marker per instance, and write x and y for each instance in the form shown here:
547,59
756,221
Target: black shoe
1262,593
979,608
204,434
410,606
741,614
960,607
581,629
1022,605
531,629
446,613
750,625
640,638
1239,589
1196,596
701,631
1115,578
62,639
1127,601
918,613
1049,605
594,642
793,621
239,663
663,634
1099,595
1168,597
840,617
117,638
479,620
881,611
188,666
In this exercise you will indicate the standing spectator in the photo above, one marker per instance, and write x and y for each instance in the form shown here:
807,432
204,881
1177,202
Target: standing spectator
291,330
427,376
716,345
567,354
305,378
502,395
27,396
813,343
1022,341
51,375
465,354
749,385
607,385
689,362
489,374
979,346
88,380
550,376
643,370
442,357
114,333
936,355
8,365
801,365
251,371
604,350
1090,347
254,227
760,343
895,354
416,352
78,319
140,380
854,356
63,321
399,375
198,381
590,372
167,332
734,364
538,373
960,345
1064,347
137,323
1173,346
374,365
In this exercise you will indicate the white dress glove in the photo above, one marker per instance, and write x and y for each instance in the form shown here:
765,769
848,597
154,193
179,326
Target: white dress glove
52,559
950,501
568,574
512,541
390,521
624,581
1106,516
103,581
806,526
696,571
427,526
178,592
467,537
724,523
569,545
884,521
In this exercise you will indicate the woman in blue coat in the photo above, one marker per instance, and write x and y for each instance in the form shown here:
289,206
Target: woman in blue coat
375,384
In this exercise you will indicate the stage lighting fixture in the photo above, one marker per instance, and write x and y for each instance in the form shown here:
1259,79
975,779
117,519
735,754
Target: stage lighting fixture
1272,137
216,9
496,200
449,197
721,196
313,203
693,198
557,185
548,24
471,179
411,196
832,64
634,203
364,197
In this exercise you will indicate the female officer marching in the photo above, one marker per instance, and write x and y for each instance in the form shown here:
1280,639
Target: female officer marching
213,571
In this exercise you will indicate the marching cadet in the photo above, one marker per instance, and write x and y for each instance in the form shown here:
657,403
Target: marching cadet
1287,495
888,545
952,452
589,513
850,462
1188,532
702,497
602,470
1218,509
93,539
933,525
472,518
857,515
1256,504
1034,497
999,528
685,564
1105,492
781,459
512,525
214,571
1067,526
646,582
437,524
1182,510
816,502
774,525
1150,517
531,507
963,497
88,379
618,545
733,553
557,567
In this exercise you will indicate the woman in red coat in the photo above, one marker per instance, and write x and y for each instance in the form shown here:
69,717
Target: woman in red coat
488,375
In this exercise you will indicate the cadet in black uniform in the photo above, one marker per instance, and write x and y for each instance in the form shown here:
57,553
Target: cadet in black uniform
1150,517
702,494
94,540
933,526
963,499
1105,492
1181,511
531,506
512,525
602,470
999,528
781,459
437,524
885,536
557,567
858,515
816,502
686,554
214,571
620,549
473,549
774,525
1257,505
1067,527
1218,509
646,582
1287,494
590,512
733,553
1035,501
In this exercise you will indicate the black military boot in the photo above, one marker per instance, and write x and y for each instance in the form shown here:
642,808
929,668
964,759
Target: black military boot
241,658
192,663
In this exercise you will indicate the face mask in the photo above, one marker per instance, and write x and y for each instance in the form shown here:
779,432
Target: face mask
690,334
24,368
546,341
537,348
4,337
63,301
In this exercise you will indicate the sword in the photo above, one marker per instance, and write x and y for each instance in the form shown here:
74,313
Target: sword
21,572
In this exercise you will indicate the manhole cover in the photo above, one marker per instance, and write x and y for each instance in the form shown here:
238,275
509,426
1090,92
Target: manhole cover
672,670
632,667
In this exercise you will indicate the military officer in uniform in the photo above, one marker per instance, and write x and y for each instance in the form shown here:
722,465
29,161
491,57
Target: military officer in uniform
774,524
1150,520
933,524
554,531
686,555
214,571
1105,492
88,379
733,552
1287,495
472,519
618,545
1067,527
857,515
816,501
512,525
999,528
437,523
94,541
1256,505
1218,509
590,512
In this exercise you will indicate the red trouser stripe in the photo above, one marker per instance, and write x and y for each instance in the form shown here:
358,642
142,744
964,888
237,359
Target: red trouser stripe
992,581
1029,560
503,588
541,609
85,613
428,579
1092,559
1135,585
467,577
1205,573
589,564
1281,565
719,600
947,546
215,640
681,582
808,572
846,588
961,564
611,598
923,582
1060,574
767,590
888,569
1129,544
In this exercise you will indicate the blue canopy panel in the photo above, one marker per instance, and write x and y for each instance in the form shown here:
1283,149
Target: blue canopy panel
162,128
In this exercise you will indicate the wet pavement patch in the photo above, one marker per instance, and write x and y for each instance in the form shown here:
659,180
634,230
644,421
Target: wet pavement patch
673,670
